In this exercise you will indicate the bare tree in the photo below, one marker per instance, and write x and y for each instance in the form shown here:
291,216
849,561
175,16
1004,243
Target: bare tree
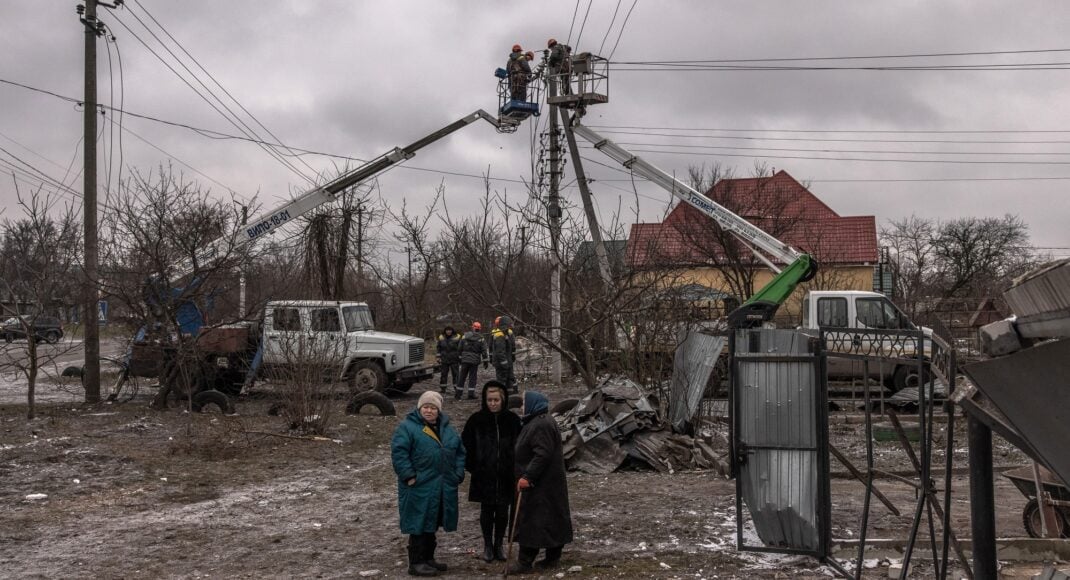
37,273
156,223
909,241
975,255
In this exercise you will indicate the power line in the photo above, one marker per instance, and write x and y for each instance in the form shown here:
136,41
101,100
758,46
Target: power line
882,131
621,33
853,159
236,122
579,35
880,151
845,140
826,58
216,81
609,28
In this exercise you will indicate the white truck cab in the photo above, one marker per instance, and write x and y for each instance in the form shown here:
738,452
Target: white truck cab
847,310
343,335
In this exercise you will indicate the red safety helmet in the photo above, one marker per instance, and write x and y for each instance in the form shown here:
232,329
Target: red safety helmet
550,43
516,48
530,55
498,321
477,326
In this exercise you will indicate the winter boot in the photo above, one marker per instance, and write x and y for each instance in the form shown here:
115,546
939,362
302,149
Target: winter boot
417,567
499,553
430,544
457,394
488,552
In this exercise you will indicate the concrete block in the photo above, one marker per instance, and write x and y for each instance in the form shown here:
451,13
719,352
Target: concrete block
1000,338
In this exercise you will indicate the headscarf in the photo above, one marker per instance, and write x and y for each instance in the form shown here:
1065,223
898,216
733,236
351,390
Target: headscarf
535,404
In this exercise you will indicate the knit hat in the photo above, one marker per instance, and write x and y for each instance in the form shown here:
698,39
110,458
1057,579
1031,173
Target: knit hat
430,398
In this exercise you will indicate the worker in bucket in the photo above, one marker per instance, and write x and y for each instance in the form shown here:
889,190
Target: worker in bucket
519,73
489,438
503,352
559,64
473,352
543,518
428,458
448,354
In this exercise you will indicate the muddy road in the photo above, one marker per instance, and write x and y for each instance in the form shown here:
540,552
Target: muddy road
138,493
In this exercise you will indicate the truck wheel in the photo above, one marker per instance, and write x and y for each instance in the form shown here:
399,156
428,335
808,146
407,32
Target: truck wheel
7,338
203,402
1031,521
373,398
367,376
51,337
907,376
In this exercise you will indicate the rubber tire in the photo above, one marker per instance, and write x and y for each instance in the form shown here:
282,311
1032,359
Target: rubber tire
212,397
51,337
1031,520
8,338
367,376
904,375
376,399
564,406
515,401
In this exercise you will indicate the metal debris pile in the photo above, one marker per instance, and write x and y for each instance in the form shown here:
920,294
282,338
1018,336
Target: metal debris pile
618,423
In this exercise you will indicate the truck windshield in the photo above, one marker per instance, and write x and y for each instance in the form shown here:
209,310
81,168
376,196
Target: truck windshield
880,313
357,318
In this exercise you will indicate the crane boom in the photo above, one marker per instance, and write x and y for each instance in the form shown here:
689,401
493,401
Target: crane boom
268,222
761,307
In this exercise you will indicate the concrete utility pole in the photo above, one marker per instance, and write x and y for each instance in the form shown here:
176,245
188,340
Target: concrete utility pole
592,220
91,370
553,211
360,246
241,271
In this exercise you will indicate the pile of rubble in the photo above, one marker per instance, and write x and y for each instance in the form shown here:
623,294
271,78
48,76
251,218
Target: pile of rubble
618,422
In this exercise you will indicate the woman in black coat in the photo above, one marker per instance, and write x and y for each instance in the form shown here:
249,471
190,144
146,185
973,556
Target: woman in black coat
544,520
489,437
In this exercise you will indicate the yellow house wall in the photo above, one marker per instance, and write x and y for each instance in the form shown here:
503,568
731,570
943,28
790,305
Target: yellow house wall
828,278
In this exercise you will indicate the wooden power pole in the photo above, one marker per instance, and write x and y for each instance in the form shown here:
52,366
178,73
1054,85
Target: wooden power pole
90,296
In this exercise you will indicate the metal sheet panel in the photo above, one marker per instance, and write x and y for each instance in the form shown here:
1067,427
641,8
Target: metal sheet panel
1032,388
777,433
693,362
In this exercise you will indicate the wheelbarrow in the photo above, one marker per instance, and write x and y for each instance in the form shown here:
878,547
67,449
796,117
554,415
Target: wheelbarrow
1022,478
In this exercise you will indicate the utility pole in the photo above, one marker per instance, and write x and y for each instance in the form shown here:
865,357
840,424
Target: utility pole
553,210
592,220
90,298
408,255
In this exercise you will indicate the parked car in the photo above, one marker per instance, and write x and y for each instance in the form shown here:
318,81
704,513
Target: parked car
46,328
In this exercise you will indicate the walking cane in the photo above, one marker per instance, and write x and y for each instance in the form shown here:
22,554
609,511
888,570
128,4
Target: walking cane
512,532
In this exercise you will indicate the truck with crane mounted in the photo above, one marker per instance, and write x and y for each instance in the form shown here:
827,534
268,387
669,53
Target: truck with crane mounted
229,357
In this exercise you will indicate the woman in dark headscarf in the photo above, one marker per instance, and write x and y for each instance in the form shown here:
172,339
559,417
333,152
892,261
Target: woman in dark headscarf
544,520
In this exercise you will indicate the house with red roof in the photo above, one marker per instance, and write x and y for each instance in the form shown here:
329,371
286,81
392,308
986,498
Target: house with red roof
700,254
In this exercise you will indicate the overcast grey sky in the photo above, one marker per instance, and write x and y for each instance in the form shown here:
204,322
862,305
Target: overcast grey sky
357,78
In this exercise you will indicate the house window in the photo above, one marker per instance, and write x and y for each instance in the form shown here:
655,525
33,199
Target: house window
286,319
832,312
326,320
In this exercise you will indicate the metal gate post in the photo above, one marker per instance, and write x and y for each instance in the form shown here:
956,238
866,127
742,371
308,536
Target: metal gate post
982,502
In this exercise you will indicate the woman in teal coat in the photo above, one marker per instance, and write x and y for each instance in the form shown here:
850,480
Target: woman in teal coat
428,457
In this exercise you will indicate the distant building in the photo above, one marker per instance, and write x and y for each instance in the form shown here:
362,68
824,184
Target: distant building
692,245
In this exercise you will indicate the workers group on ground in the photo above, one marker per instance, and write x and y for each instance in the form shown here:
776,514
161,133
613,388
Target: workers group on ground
518,479
459,356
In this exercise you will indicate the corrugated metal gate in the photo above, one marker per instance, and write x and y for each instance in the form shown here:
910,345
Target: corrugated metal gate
780,441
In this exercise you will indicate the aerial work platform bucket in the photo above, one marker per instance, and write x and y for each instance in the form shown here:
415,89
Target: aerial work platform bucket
518,99
587,83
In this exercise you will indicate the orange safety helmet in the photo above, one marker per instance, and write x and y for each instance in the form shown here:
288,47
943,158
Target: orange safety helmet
516,48
477,326
550,43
